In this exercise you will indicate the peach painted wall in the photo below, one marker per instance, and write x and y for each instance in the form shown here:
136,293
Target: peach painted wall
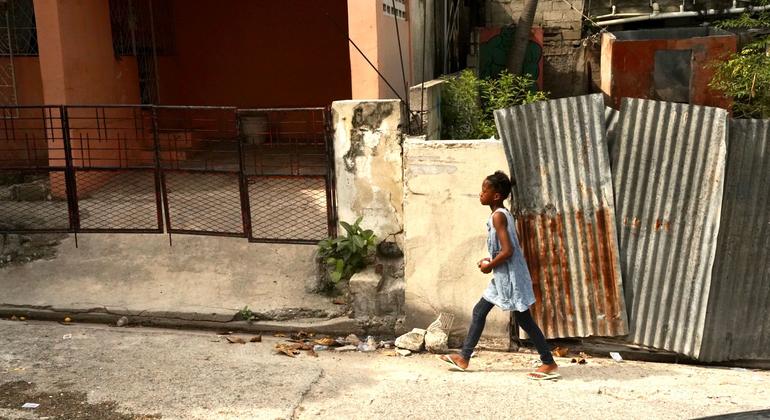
78,65
374,32
257,54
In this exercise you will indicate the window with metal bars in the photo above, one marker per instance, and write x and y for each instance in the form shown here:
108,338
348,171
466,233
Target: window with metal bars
18,35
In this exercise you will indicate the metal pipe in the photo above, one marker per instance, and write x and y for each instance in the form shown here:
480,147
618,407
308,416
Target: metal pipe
672,15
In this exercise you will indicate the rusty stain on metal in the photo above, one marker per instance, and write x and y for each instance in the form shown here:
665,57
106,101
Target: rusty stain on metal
565,214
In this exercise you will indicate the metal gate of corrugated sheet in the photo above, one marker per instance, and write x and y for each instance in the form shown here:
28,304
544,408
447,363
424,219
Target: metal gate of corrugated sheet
566,221
738,316
668,177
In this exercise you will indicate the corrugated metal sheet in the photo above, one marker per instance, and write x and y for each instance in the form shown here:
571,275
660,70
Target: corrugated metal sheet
564,206
738,318
668,192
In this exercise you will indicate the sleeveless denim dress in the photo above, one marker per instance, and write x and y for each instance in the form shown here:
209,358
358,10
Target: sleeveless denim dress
511,286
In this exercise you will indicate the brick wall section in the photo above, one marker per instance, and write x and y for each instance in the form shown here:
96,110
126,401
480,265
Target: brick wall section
553,15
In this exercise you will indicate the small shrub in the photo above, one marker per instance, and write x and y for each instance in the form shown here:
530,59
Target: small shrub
348,253
468,103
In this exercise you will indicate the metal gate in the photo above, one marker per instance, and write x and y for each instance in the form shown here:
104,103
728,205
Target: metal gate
261,174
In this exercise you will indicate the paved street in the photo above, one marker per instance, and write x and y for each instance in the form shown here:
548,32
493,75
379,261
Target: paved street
95,371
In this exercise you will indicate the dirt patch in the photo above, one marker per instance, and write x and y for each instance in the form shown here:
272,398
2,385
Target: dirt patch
61,405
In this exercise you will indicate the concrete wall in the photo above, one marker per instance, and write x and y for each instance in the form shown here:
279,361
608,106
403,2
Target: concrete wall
445,230
368,162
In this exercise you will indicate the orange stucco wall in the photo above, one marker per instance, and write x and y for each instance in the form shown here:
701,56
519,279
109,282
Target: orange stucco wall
249,53
77,62
374,32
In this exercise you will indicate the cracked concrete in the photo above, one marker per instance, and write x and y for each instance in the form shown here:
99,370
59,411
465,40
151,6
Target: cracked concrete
198,279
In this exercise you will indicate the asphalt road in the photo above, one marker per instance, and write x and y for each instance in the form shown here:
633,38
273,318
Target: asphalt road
84,371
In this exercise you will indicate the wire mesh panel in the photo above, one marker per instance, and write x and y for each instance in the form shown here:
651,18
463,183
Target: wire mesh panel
201,164
116,176
34,189
286,163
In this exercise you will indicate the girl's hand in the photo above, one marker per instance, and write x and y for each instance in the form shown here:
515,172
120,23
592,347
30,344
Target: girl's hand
484,266
482,261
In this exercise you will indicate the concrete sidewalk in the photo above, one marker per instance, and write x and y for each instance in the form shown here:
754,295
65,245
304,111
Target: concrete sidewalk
199,281
132,373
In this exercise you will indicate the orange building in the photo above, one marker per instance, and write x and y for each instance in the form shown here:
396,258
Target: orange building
244,53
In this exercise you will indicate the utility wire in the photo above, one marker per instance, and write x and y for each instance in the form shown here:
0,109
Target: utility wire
401,56
344,33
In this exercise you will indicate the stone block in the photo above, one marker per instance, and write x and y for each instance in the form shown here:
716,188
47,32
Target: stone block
31,191
363,292
436,341
413,340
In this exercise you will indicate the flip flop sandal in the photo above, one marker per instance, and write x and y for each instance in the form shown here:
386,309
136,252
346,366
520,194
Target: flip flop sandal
542,376
448,360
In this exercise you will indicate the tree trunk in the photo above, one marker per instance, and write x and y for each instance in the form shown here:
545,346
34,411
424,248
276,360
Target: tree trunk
521,37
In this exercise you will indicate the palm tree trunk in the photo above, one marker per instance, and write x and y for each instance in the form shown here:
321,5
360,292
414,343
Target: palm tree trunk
521,37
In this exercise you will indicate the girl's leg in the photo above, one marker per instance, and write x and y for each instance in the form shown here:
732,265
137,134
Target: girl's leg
528,325
480,312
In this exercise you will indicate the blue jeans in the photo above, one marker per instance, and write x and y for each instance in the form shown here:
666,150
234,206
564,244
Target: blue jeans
480,312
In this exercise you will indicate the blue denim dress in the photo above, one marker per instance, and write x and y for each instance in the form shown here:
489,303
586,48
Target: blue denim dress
511,286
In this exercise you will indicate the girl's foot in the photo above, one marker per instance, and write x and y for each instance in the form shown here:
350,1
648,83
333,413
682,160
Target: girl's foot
458,362
545,372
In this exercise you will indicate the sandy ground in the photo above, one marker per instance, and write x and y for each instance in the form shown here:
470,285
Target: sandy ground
92,371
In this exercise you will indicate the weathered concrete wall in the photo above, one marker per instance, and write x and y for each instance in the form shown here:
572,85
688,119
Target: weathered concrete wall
368,162
445,230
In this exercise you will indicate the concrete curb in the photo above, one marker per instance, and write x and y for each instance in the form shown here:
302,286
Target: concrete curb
180,320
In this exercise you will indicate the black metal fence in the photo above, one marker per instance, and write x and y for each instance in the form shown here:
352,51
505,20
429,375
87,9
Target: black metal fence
262,174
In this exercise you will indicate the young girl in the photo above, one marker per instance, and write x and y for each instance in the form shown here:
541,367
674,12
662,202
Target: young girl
511,286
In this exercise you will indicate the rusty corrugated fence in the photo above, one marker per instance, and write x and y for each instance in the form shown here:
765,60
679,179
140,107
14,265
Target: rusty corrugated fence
668,180
563,201
738,316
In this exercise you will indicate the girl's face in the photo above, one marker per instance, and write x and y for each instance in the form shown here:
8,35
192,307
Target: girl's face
488,195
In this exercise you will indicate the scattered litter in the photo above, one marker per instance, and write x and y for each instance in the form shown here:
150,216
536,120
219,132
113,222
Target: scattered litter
391,353
326,341
67,319
123,321
256,339
739,369
279,335
616,356
580,361
403,352
312,352
319,347
30,405
584,355
560,351
347,348
22,318
437,334
352,339
13,318
302,335
235,340
368,346
224,333
387,344
339,301
287,349
66,336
